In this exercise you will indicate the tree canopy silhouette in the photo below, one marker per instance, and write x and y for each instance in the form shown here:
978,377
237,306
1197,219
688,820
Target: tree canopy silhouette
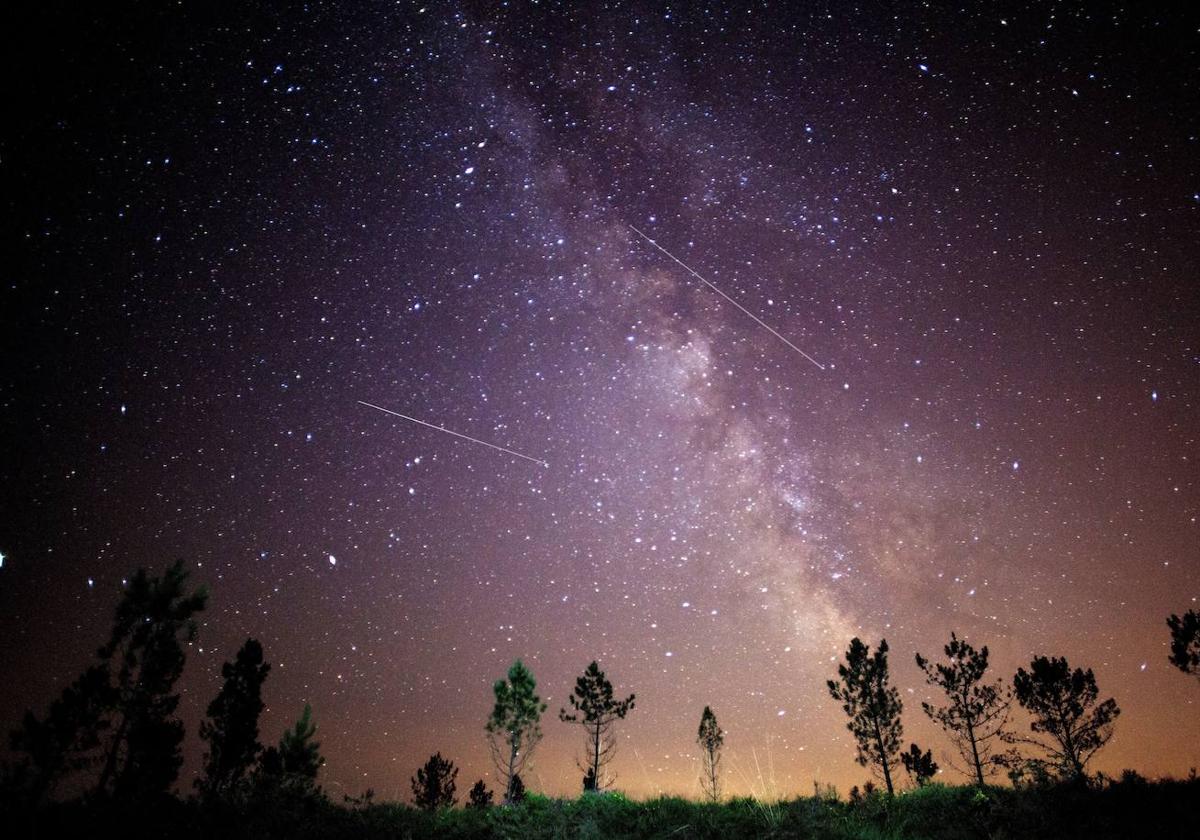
976,713
119,716
295,763
1185,642
920,766
433,786
514,727
154,619
597,711
1064,706
873,707
231,730
67,740
711,739
479,796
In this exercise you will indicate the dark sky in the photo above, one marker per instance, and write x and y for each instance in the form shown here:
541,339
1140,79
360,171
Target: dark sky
233,221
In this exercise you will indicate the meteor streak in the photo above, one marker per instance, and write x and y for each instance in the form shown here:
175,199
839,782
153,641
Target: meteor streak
696,274
451,432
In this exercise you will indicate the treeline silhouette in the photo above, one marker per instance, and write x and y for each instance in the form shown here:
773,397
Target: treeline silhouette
110,744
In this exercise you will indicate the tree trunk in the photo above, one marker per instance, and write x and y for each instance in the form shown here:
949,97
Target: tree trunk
883,759
975,754
1068,742
712,774
512,764
110,762
596,758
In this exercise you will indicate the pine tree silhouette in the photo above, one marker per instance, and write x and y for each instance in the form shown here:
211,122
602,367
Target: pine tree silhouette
1064,706
711,740
118,717
1185,642
479,796
68,739
154,619
873,707
514,727
231,730
596,710
295,763
920,766
976,713
433,786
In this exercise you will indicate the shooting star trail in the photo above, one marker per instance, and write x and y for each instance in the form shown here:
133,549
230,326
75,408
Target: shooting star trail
696,274
452,432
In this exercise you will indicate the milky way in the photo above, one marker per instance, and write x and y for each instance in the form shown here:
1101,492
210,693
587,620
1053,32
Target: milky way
235,225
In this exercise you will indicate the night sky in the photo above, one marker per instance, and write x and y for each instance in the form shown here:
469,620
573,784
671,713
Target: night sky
232,222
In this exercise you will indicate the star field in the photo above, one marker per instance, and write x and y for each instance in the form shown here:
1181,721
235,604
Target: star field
233,224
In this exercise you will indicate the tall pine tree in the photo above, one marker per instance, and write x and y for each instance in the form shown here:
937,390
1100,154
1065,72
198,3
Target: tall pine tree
711,740
231,730
976,711
1067,711
596,710
514,727
873,707
154,620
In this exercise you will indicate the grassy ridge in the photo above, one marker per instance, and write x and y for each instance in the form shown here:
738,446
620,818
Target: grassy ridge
1160,810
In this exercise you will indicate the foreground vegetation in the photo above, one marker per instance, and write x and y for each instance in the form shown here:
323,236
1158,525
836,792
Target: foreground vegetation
104,759
1131,808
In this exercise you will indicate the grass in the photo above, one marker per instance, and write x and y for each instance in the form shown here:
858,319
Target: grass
1161,810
